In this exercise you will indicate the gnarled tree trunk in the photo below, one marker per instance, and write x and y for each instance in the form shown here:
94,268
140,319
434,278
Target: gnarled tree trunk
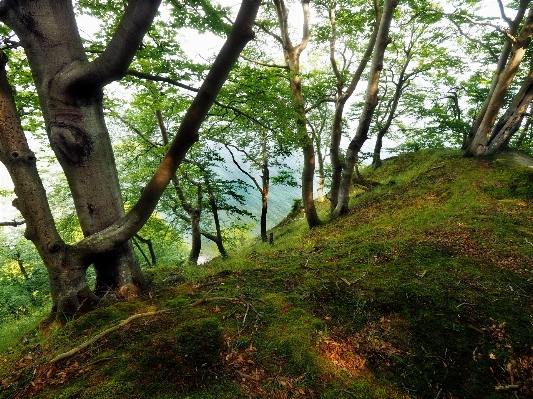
482,130
70,93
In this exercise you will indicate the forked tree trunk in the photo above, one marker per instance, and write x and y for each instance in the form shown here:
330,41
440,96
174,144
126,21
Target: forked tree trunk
371,101
292,60
70,92
480,144
512,119
75,126
342,98
500,67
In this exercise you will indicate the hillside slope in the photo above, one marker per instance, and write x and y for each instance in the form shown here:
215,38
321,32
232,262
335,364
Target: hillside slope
425,290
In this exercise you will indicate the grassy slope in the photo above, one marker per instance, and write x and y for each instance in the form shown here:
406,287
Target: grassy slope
423,291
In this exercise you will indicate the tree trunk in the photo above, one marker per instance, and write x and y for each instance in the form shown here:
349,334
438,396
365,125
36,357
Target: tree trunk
376,156
371,101
194,217
500,67
265,183
70,90
65,267
479,145
292,60
264,200
214,209
525,129
321,178
342,98
196,238
76,129
511,120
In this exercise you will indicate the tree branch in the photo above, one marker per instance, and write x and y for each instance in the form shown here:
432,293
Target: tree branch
135,130
20,162
306,27
265,64
268,32
85,79
14,223
502,13
483,23
241,169
478,42
185,137
154,78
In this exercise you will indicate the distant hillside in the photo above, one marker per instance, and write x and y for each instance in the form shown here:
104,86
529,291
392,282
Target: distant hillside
425,290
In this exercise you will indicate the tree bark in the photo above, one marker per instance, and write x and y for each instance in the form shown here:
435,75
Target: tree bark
480,143
371,101
525,129
66,267
69,89
341,99
511,120
500,67
292,60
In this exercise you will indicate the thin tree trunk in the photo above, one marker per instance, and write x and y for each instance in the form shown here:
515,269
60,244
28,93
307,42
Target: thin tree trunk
342,98
214,209
292,60
525,129
371,101
511,120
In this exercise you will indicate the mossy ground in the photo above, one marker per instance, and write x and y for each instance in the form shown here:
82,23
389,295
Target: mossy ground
425,290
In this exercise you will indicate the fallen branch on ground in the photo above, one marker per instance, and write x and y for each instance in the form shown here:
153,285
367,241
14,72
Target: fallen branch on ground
124,322
506,387
84,345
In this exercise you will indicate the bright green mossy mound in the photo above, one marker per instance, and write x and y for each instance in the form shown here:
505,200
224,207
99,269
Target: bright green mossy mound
425,290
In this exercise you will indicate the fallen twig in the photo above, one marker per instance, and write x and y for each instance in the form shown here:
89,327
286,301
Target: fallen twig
506,387
309,267
355,281
466,304
433,168
476,329
248,376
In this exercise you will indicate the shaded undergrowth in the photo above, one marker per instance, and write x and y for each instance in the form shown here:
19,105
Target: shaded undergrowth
423,291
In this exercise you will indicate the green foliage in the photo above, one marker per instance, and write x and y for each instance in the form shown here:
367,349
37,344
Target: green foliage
24,286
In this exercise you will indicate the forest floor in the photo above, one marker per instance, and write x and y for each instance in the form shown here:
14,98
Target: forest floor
425,290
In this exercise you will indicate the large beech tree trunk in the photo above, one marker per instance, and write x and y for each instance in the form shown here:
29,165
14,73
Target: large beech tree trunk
75,124
70,93
66,267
